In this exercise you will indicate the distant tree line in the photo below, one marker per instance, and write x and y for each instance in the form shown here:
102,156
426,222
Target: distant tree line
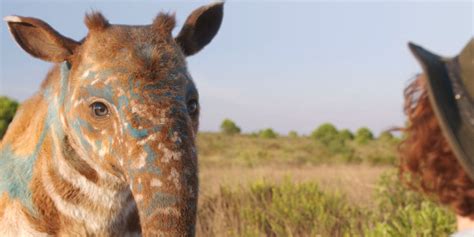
326,134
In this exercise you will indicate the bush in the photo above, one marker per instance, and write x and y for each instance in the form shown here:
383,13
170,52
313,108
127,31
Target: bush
8,109
364,135
229,127
325,133
293,134
338,146
267,133
346,134
386,136
403,212
334,141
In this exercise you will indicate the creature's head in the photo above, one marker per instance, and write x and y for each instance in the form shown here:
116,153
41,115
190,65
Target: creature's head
128,106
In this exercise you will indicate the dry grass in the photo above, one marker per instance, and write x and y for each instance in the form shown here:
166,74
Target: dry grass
326,200
356,182
252,186
238,160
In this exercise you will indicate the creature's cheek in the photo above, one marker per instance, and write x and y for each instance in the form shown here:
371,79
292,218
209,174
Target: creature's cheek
104,147
81,130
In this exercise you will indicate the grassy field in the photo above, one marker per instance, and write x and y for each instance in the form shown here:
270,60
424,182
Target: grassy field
249,151
285,186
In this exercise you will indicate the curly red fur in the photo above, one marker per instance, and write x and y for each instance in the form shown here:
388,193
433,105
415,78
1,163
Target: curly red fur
427,163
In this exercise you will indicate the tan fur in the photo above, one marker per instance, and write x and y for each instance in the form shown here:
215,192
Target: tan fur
49,219
81,166
26,126
14,223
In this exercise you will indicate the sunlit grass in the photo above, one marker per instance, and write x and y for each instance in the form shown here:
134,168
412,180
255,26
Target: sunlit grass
287,208
283,186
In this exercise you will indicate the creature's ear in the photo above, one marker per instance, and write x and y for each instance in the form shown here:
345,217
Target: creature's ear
200,27
39,39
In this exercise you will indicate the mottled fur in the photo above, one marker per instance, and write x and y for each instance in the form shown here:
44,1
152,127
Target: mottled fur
66,171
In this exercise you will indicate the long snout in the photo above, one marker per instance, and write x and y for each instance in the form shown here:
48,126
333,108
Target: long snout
164,182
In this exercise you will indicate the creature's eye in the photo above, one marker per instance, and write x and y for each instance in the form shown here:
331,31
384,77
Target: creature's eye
99,109
192,107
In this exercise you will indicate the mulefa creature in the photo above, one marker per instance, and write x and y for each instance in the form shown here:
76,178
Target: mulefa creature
107,146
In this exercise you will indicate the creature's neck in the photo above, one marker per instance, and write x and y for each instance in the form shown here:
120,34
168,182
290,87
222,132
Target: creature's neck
76,192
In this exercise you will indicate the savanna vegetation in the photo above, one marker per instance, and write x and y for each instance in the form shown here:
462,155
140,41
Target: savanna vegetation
330,183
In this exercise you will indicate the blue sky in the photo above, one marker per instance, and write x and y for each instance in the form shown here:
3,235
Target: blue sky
279,64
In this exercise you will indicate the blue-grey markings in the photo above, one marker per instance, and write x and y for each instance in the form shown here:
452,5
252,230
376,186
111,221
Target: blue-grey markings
150,161
161,200
104,73
83,123
123,102
65,69
15,175
104,93
150,167
98,144
137,133
16,171
91,75
76,126
142,133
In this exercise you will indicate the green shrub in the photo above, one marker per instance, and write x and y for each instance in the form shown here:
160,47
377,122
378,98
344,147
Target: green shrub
364,135
8,109
293,134
334,141
339,146
346,134
386,136
267,133
325,133
229,127
403,212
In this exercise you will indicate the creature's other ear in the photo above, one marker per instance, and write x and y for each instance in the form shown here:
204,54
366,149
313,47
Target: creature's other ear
200,27
39,39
